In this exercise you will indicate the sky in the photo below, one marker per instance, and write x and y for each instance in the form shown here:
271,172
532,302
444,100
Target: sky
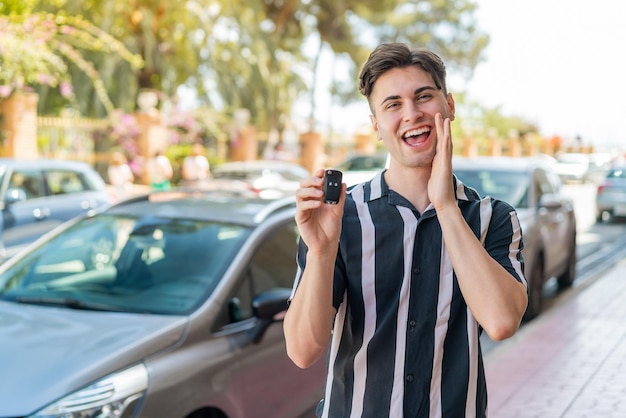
560,64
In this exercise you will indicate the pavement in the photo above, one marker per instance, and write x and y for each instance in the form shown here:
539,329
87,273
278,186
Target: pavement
570,361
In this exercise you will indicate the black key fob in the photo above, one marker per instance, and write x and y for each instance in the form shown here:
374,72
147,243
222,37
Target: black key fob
332,186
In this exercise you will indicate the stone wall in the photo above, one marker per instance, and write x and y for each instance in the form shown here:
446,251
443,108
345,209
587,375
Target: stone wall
18,136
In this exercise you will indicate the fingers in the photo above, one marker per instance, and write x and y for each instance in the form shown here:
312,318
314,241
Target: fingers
311,187
310,194
444,137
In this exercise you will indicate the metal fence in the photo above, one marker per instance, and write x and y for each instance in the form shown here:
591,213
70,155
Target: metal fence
69,138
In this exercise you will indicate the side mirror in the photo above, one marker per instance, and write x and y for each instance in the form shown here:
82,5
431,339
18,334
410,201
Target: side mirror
550,201
267,308
14,195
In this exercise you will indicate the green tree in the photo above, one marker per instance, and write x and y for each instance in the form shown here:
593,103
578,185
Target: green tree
262,56
39,48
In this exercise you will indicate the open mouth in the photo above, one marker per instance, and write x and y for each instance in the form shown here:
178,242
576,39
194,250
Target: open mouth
416,137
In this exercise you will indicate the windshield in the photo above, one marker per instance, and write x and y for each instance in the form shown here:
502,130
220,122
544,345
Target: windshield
508,186
151,265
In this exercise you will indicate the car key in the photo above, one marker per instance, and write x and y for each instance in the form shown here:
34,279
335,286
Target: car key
332,186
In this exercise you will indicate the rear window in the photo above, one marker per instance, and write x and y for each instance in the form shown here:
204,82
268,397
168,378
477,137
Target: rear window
617,173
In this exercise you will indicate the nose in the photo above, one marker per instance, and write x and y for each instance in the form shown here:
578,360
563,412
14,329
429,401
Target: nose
412,112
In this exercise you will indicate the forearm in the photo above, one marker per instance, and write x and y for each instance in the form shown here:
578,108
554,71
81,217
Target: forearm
497,300
309,319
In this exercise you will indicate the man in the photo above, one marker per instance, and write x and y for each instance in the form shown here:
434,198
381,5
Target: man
400,278
196,169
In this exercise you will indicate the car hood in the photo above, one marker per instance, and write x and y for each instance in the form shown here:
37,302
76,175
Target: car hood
48,352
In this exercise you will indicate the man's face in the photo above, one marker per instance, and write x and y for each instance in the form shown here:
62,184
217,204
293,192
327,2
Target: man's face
404,102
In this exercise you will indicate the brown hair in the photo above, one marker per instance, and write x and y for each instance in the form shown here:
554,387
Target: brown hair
398,55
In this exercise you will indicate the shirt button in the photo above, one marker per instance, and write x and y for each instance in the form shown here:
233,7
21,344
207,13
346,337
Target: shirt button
412,323
409,377
416,270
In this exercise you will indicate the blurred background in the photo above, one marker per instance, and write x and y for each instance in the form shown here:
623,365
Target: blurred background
81,80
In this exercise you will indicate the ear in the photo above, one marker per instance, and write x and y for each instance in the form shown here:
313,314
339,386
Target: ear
451,105
375,126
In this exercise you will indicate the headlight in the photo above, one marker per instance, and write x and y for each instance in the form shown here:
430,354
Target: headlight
117,395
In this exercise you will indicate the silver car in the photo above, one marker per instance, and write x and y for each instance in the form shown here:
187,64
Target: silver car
167,305
360,168
38,195
268,179
611,195
546,215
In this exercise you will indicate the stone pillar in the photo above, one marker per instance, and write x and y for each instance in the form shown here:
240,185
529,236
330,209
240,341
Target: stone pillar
495,142
18,138
365,143
515,143
153,134
244,145
311,151
470,147
153,137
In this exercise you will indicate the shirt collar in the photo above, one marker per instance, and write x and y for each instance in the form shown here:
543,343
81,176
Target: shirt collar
377,188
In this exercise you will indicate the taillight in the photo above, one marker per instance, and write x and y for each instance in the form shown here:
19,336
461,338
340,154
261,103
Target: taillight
601,188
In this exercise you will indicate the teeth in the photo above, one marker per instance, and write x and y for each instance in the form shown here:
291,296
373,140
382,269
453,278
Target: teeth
416,132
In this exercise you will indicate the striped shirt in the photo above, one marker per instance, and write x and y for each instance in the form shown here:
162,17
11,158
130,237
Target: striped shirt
404,342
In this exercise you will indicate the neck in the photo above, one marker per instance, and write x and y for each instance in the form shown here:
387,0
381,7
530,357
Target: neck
411,183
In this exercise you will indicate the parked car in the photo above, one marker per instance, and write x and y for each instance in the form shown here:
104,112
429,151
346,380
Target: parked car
38,195
546,215
268,178
573,167
600,164
164,305
611,195
360,168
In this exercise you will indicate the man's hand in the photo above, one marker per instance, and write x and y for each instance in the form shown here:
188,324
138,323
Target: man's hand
440,187
319,223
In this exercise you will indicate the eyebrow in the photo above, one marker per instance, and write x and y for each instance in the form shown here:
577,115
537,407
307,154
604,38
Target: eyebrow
415,93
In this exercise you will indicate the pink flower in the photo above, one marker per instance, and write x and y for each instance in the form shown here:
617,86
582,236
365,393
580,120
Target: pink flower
66,89
45,79
5,91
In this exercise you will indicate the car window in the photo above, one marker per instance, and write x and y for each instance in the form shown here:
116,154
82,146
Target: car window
273,265
152,265
618,173
28,183
65,181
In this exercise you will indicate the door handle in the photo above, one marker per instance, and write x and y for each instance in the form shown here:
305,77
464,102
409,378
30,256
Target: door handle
41,213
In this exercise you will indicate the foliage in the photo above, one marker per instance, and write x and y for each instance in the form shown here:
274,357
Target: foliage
37,49
121,131
262,56
167,34
484,124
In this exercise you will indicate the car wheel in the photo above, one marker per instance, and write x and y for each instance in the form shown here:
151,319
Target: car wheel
566,279
535,289
604,216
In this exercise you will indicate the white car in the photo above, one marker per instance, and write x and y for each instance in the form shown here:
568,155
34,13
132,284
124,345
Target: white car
361,168
547,216
268,179
572,166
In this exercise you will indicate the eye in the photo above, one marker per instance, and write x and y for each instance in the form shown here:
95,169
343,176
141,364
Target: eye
392,105
423,97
